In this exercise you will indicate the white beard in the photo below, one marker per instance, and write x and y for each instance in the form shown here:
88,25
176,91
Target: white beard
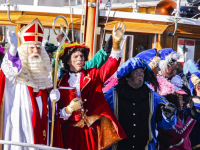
35,70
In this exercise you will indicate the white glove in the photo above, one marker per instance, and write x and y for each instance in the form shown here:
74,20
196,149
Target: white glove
54,95
74,105
13,41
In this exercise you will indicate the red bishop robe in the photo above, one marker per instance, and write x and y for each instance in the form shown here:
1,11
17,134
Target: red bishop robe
96,127
30,127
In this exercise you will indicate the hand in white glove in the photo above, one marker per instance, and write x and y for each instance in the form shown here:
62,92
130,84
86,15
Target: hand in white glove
13,41
74,105
54,95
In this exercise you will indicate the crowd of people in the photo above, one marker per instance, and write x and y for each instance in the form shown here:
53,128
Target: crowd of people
144,104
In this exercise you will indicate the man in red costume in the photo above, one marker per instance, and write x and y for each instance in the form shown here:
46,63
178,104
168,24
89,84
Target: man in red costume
23,92
94,126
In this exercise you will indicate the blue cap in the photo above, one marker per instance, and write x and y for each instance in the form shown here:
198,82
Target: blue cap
147,55
165,52
194,80
130,65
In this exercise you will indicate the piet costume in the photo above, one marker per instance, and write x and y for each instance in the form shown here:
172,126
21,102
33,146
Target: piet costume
95,125
178,136
195,133
23,92
138,110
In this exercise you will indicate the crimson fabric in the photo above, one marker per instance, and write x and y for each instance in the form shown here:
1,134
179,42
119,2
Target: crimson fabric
2,85
40,38
175,137
85,138
39,124
40,30
66,96
91,82
31,29
29,38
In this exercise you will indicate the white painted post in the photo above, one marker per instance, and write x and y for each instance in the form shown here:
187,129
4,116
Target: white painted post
36,2
76,2
178,7
135,6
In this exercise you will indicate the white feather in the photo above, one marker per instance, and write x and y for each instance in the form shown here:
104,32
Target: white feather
163,64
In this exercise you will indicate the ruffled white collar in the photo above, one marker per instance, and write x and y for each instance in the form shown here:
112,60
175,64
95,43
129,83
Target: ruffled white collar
74,81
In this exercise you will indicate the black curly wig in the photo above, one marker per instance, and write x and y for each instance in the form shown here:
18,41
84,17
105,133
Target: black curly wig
68,54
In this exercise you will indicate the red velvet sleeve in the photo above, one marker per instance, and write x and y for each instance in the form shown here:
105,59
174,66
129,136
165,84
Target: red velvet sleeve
182,131
108,69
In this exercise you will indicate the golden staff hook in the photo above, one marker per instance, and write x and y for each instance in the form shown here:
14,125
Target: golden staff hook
56,65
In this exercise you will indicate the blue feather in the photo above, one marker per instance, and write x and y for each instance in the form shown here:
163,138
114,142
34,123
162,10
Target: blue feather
190,67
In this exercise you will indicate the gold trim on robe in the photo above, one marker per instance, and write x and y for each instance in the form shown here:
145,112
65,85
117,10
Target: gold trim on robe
151,108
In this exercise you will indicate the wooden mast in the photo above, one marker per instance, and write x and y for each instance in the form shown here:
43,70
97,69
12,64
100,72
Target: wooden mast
91,25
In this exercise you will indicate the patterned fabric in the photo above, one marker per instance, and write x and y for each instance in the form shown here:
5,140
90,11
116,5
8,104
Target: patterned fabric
11,66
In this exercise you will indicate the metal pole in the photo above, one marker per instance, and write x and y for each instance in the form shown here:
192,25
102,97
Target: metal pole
108,5
71,20
81,35
178,8
135,6
177,16
44,147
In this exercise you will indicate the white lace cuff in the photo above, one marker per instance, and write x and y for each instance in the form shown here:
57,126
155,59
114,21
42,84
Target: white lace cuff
116,54
10,71
63,114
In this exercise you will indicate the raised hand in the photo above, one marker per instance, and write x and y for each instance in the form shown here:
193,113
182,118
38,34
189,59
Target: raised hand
117,35
13,41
